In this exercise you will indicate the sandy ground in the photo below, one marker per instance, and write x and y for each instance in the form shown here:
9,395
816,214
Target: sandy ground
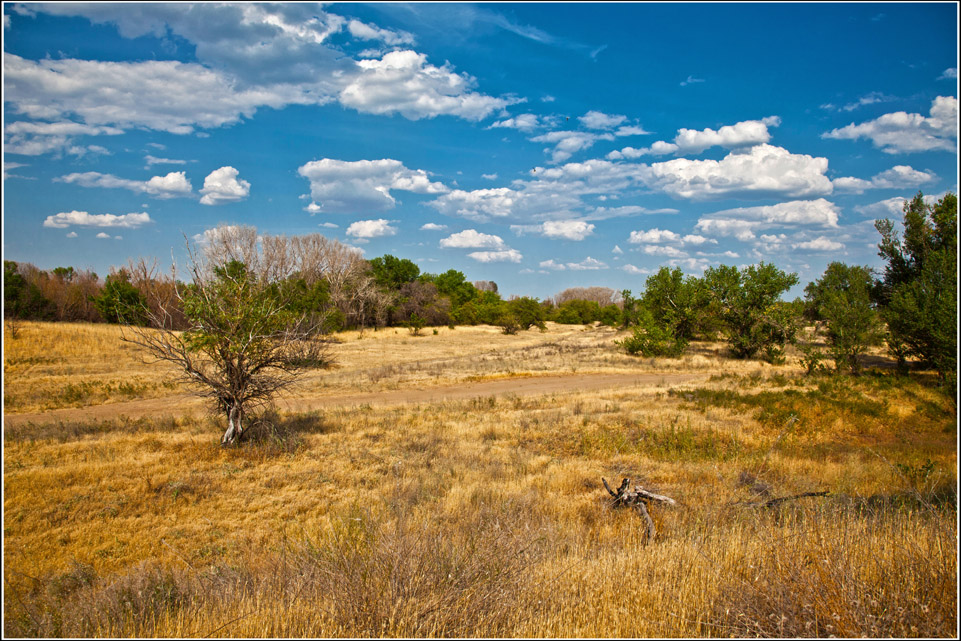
181,404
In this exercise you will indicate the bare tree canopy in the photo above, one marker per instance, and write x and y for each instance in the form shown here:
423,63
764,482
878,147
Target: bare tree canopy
603,296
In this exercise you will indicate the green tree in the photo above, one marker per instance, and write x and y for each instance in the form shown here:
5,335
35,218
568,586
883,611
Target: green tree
120,301
21,298
681,303
391,272
652,337
527,311
842,299
918,290
746,302
243,344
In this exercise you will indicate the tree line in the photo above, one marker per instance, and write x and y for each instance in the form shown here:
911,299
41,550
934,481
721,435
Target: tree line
910,305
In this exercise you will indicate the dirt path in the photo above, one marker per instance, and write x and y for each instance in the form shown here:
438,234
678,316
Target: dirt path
181,405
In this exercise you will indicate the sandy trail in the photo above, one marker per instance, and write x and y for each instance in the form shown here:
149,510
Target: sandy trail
187,405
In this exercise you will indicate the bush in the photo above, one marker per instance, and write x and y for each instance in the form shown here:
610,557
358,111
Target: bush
651,338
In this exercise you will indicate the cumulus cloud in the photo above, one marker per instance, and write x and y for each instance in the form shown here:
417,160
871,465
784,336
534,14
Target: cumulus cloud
897,177
743,222
761,171
588,264
371,228
404,82
222,186
892,207
949,74
36,138
692,141
567,143
432,227
563,229
153,160
524,122
599,120
339,186
503,256
365,31
261,55
84,219
819,244
173,185
635,271
480,204
473,239
901,132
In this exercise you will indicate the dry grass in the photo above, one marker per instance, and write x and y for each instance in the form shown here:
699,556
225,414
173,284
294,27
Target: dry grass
487,517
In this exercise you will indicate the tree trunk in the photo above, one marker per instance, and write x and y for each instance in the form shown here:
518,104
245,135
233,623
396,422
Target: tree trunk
234,428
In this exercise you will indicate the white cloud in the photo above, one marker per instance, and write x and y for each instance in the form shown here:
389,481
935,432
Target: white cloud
567,143
761,171
901,132
565,229
489,176
471,238
949,74
664,250
371,228
173,185
504,256
598,120
103,235
72,234
329,226
153,160
617,250
691,80
897,177
432,227
479,205
819,244
83,219
365,31
523,122
692,141
339,186
403,82
742,223
635,271
36,138
892,207
222,186
588,264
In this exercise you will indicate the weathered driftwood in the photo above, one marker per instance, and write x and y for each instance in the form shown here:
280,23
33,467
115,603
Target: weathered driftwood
638,498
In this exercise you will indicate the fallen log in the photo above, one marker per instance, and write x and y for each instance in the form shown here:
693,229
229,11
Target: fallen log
783,499
638,498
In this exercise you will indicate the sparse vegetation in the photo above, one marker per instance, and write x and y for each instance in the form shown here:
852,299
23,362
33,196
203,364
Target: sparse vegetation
486,516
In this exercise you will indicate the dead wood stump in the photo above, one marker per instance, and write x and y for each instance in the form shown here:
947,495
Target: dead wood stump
639,499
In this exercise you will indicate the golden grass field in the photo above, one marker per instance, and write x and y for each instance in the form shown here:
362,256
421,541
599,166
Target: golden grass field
480,516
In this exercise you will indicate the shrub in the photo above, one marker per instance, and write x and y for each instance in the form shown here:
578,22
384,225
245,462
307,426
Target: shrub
651,338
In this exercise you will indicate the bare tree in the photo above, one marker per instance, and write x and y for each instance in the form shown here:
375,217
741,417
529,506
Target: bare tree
242,345
603,296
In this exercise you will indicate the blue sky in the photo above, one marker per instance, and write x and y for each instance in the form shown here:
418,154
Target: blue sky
541,146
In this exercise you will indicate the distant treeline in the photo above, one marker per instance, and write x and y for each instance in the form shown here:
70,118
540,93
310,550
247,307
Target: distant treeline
911,306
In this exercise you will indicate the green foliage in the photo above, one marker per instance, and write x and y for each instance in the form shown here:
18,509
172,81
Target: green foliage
453,285
22,299
842,299
527,312
120,301
680,303
577,312
746,302
630,309
391,272
415,324
918,291
652,337
610,315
